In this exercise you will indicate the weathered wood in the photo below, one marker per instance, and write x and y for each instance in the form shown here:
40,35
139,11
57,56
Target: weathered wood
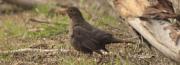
167,46
27,3
176,5
159,33
130,8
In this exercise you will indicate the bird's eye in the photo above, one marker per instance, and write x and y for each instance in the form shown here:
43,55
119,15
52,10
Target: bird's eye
71,10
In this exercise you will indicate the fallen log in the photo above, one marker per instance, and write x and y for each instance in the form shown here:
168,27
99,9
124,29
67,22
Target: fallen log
151,21
158,38
27,3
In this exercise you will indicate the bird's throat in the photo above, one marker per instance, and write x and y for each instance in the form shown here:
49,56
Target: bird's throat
77,20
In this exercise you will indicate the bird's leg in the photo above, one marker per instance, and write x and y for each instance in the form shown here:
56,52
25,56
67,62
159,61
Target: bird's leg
102,52
101,58
99,52
105,49
90,55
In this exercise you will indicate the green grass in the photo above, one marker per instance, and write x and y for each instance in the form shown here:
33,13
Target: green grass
5,57
70,60
84,60
104,20
11,29
43,9
59,26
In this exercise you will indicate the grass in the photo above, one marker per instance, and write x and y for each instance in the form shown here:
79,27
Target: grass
43,9
106,20
70,60
58,26
5,57
60,23
14,34
11,29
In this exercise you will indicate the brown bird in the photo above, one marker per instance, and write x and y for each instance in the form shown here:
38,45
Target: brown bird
86,38
161,11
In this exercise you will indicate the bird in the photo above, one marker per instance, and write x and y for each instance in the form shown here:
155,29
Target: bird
161,11
86,38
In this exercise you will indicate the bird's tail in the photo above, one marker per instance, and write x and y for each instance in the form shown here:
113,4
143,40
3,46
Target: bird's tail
115,40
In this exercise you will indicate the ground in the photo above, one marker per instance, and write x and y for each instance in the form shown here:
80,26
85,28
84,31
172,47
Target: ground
19,31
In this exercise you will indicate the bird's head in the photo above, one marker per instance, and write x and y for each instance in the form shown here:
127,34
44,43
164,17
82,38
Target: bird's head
73,12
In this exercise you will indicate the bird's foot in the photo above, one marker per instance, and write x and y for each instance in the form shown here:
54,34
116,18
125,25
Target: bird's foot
90,55
104,52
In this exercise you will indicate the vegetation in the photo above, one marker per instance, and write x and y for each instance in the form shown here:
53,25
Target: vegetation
58,26
18,32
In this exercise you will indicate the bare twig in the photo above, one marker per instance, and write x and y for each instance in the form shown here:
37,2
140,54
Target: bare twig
39,20
34,50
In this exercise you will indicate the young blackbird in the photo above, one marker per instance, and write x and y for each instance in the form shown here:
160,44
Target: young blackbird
86,38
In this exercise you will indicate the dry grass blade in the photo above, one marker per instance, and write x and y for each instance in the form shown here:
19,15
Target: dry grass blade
34,50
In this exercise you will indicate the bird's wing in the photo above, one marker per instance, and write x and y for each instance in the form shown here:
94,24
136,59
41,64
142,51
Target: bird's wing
102,36
85,37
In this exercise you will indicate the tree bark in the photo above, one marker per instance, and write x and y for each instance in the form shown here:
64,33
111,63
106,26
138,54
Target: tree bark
157,37
26,3
161,34
176,5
